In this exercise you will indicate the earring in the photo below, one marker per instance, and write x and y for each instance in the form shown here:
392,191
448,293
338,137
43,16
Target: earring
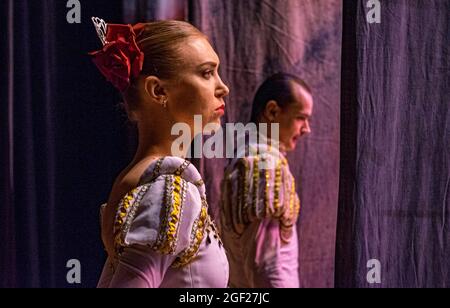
165,103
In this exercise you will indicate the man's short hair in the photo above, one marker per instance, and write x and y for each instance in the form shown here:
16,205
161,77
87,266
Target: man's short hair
279,88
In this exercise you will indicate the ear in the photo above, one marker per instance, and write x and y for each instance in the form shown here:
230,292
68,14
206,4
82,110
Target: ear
272,111
155,90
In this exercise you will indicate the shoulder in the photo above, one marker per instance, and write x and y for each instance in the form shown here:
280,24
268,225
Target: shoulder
163,209
174,167
256,161
258,187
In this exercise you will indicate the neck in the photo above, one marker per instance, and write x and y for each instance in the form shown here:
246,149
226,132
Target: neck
271,142
155,142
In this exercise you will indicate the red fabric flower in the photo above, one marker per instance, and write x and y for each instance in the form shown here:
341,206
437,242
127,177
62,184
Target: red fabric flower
120,60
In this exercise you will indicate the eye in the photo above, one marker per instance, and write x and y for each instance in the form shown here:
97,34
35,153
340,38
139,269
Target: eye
208,74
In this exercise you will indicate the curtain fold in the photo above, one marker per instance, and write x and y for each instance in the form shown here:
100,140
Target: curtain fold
255,39
28,145
56,129
395,168
63,139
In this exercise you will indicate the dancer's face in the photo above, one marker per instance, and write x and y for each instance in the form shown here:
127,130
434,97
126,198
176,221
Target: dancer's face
197,89
295,118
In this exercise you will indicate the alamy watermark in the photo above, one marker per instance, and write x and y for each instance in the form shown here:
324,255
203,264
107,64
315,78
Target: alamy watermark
73,275
374,271
237,140
374,14
74,14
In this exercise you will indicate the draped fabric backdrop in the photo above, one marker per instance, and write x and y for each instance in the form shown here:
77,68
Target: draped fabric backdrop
27,196
255,39
62,142
395,175
301,37
63,138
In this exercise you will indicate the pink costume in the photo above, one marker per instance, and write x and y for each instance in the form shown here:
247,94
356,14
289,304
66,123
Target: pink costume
164,236
260,208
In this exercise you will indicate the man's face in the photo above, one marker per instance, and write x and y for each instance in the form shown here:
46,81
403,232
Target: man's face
295,118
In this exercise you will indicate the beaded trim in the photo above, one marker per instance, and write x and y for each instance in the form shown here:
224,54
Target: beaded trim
267,211
255,187
276,199
197,236
212,228
288,223
199,183
284,207
171,216
182,168
157,170
126,213
174,197
292,203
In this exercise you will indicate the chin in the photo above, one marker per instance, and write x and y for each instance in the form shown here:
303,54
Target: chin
291,147
207,128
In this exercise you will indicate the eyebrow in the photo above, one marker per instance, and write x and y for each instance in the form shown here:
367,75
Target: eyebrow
209,63
305,115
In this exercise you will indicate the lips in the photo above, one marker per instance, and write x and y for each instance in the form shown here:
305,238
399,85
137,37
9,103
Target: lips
221,108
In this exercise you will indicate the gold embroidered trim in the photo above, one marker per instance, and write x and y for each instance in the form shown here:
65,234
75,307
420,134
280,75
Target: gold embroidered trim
182,168
199,183
157,169
175,194
125,215
197,236
276,199
255,187
267,210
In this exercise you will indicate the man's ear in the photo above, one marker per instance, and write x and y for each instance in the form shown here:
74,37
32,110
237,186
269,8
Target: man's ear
272,111
155,90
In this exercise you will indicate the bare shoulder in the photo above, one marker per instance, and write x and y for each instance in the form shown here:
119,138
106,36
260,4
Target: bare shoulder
127,180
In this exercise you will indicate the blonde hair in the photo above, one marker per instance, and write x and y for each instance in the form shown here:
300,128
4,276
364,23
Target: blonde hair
160,42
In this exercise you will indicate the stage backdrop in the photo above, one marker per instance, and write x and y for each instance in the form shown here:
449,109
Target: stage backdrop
255,39
63,138
62,142
395,177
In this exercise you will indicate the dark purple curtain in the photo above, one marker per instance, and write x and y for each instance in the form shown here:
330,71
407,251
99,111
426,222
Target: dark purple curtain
63,138
62,142
27,195
394,200
150,10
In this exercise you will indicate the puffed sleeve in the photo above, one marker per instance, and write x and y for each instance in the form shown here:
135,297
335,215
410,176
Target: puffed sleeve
260,187
260,208
153,230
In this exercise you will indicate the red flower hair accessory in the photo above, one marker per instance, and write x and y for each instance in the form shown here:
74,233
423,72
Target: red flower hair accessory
120,59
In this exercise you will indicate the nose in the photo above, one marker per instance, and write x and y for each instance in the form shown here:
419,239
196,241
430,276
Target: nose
222,89
306,129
